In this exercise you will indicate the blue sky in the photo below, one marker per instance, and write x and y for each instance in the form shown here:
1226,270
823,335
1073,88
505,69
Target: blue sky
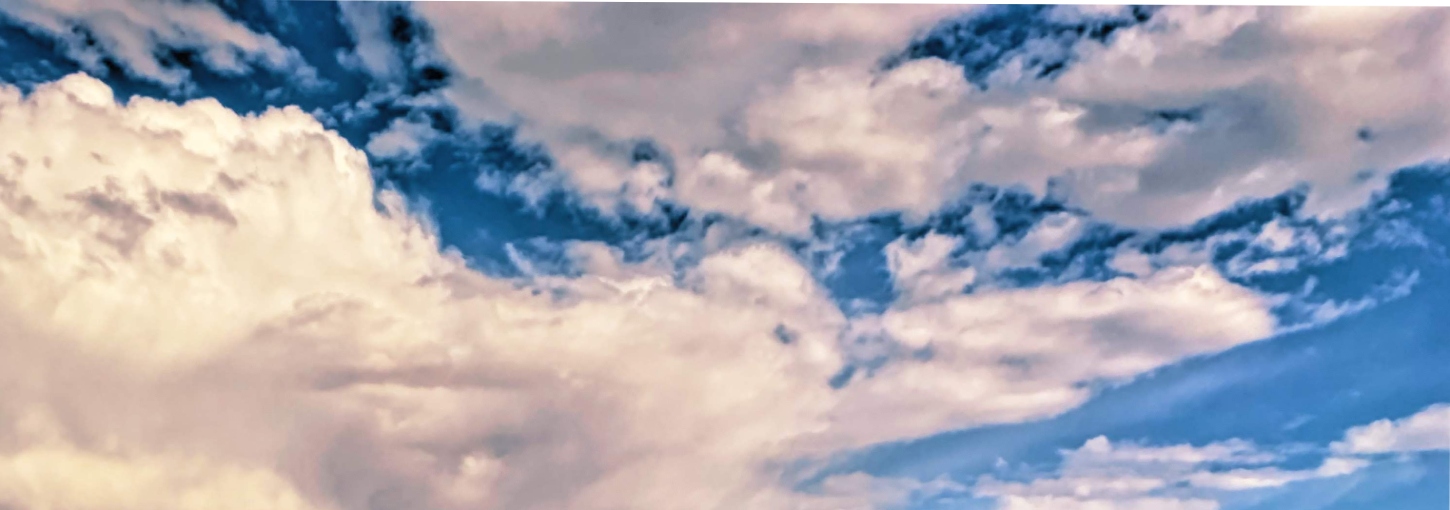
599,256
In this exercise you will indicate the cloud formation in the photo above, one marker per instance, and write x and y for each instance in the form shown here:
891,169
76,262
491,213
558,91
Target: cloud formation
200,306
1157,124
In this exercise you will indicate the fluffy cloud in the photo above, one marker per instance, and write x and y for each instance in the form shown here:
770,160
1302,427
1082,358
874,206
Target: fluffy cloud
1170,121
1124,476
1028,353
199,304
220,287
1314,95
921,270
848,142
659,71
138,35
715,85
1426,430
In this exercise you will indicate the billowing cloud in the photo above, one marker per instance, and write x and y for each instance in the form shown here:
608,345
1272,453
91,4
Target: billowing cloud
223,308
1426,430
280,321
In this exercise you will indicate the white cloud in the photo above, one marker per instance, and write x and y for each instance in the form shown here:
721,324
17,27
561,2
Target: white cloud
665,71
1062,503
374,51
850,141
185,289
1285,90
1100,451
921,270
858,132
776,125
581,76
1426,430
403,138
220,287
1261,478
1053,232
1279,246
1285,245
1123,476
62,476
132,33
1027,353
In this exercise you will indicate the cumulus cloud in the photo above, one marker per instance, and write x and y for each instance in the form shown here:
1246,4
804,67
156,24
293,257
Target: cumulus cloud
1108,475
1164,123
142,38
198,306
317,336
1426,430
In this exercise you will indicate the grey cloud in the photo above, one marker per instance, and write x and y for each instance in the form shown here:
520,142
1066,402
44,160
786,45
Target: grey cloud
197,204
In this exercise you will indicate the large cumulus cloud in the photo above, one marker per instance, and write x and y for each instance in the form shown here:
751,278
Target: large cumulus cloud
200,309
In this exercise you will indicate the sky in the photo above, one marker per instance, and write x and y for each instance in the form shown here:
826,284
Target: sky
586,256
